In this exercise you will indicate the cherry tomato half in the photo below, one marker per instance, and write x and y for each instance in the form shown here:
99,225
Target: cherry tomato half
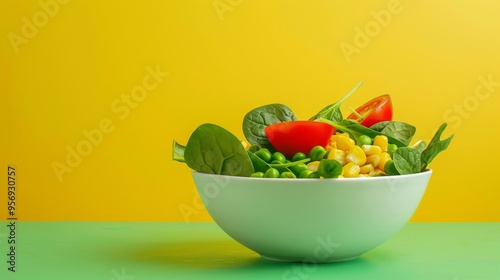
292,137
376,110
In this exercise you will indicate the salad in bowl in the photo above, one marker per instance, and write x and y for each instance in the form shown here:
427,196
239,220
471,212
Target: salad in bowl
367,143
325,189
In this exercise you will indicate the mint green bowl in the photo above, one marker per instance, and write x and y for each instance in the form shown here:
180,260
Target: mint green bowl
311,220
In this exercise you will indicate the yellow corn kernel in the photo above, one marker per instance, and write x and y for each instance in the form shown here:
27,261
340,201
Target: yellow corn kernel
381,141
356,155
376,172
350,170
371,150
384,157
367,168
332,144
373,159
337,155
344,142
343,134
313,165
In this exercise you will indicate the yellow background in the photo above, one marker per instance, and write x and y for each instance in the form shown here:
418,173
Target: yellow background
225,58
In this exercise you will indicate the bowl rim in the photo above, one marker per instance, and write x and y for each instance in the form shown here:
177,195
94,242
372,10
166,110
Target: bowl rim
427,171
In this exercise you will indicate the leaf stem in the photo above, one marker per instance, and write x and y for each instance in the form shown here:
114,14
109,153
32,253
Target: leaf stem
358,115
354,89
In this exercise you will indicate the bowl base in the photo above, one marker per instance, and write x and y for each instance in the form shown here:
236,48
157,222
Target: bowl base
311,260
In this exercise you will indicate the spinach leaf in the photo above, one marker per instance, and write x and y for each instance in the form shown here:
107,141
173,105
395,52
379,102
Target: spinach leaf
257,119
290,164
407,160
435,147
379,126
178,151
402,131
419,145
332,112
212,149
399,130
355,130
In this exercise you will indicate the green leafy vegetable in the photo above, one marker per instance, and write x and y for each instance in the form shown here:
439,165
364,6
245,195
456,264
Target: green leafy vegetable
332,112
407,160
419,145
178,151
435,147
259,118
355,130
398,130
212,149
293,163
390,168
379,126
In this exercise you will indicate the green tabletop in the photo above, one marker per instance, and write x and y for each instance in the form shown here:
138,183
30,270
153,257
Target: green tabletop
144,250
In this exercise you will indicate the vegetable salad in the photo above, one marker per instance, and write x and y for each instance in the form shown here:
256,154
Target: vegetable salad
278,145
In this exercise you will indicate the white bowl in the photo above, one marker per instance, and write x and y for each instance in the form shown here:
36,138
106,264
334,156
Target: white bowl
311,220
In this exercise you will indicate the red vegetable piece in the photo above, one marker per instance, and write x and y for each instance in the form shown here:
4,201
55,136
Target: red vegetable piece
292,137
376,110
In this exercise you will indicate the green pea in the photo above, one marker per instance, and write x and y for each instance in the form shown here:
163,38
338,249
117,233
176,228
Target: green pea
363,140
391,148
329,168
288,161
254,148
314,175
317,153
287,174
296,169
305,173
264,154
272,173
276,162
257,174
299,156
277,156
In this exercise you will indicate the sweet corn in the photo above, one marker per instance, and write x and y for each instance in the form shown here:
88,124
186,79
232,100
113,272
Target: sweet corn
350,170
381,141
344,142
337,155
332,144
376,172
373,159
384,157
367,168
313,165
371,150
356,156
